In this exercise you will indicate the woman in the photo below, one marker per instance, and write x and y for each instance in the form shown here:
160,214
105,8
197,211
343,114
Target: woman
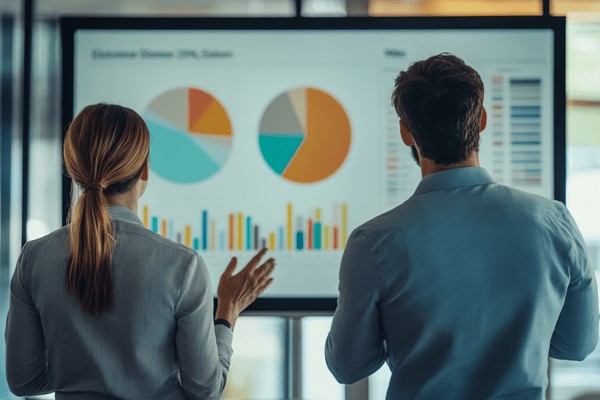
103,308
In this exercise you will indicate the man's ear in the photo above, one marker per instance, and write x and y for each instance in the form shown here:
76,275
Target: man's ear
145,173
406,135
483,123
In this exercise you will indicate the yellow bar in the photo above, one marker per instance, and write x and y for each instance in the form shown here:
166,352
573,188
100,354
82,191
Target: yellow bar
164,227
272,241
326,237
317,215
240,226
188,236
289,226
146,218
344,224
213,229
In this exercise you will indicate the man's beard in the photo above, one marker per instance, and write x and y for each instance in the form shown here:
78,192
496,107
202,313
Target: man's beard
415,154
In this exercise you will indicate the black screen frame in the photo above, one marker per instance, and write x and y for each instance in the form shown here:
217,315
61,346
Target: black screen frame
70,25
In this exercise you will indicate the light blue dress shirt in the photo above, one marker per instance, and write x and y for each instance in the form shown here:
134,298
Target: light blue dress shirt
464,290
157,342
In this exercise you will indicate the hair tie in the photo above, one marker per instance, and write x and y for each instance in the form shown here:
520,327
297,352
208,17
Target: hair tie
97,188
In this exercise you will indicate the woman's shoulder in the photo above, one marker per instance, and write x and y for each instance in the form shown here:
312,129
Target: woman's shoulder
138,236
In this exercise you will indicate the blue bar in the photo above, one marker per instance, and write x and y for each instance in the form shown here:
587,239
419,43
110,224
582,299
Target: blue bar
317,235
248,233
155,224
281,238
196,244
299,240
222,240
204,229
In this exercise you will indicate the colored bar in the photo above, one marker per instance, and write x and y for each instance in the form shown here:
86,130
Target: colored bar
264,243
164,228
188,236
335,238
231,231
318,215
272,241
326,237
222,240
309,230
280,238
317,235
155,224
145,217
289,226
240,231
256,238
344,224
213,234
248,233
204,229
299,240
196,244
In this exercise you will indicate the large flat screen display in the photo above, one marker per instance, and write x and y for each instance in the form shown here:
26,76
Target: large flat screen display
281,134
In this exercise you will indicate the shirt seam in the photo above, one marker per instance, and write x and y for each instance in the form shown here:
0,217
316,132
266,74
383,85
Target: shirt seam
375,266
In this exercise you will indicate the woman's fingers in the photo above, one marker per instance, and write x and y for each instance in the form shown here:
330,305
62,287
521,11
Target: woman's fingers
255,260
230,267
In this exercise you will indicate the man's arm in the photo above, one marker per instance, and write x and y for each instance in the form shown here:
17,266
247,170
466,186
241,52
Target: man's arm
26,359
576,333
355,345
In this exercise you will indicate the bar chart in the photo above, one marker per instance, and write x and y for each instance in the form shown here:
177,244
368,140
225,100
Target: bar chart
313,230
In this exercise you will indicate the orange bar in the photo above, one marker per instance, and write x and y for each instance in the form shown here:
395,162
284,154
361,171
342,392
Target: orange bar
240,229
146,217
164,227
289,226
344,224
272,241
309,243
188,236
213,229
231,231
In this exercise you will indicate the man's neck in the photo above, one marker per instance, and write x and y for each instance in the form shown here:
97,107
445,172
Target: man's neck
429,167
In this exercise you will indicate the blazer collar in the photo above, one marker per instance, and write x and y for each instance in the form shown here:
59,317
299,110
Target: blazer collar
120,213
454,178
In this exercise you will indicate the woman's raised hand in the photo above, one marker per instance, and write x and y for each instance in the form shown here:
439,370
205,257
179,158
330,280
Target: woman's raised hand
236,292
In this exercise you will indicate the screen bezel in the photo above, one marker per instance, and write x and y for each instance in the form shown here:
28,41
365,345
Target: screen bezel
70,25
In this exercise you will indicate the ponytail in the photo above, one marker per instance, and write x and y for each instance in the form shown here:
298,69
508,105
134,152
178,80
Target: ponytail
105,150
89,273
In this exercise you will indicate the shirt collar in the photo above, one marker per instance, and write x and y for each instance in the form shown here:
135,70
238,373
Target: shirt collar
454,178
121,213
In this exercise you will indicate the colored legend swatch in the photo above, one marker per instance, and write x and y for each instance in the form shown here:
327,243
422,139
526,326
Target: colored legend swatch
305,135
239,231
190,133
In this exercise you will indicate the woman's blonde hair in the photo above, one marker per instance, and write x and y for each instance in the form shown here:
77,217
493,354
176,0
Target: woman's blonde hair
105,150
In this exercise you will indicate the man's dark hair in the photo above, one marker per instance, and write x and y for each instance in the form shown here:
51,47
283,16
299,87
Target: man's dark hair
440,100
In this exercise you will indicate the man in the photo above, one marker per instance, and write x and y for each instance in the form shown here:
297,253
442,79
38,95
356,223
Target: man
467,287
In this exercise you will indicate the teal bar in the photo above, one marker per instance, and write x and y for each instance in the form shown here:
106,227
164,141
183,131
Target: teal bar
248,233
155,224
196,244
317,236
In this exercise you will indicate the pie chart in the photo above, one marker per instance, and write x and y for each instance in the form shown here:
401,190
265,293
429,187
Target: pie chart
190,135
304,135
